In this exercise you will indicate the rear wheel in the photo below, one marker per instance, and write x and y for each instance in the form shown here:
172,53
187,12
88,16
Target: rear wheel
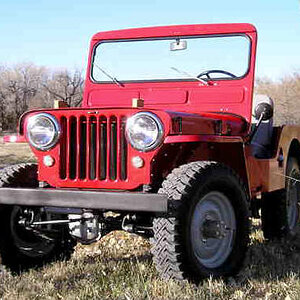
209,230
23,247
280,209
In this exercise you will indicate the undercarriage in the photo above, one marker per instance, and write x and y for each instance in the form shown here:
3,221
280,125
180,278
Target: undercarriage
86,226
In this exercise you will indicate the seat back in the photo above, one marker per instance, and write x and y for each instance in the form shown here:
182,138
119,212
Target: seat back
262,140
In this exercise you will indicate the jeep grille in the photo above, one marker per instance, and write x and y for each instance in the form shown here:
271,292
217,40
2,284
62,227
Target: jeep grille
93,147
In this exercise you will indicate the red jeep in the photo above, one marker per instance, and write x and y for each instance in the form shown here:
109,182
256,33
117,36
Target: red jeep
166,145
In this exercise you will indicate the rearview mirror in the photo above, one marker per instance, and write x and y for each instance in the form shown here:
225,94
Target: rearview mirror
178,45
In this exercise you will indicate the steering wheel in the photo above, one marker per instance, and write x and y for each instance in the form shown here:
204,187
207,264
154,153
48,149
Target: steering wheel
206,73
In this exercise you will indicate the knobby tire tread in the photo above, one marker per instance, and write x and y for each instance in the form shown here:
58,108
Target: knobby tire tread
168,244
25,175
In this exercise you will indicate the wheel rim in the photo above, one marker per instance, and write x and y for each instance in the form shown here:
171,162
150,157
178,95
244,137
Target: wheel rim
27,241
292,200
213,228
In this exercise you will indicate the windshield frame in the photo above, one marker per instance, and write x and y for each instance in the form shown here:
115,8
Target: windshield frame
245,35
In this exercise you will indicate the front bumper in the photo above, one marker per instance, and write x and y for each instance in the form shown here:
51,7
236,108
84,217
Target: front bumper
88,199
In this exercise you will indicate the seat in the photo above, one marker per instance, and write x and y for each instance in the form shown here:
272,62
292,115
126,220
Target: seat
261,144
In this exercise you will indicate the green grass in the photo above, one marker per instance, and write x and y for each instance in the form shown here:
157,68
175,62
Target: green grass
119,266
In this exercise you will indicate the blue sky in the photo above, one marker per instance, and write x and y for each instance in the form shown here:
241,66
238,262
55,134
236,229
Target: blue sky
56,33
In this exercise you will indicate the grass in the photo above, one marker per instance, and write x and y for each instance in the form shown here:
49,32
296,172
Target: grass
14,153
119,266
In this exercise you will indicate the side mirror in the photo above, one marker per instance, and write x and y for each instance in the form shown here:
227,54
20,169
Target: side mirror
263,110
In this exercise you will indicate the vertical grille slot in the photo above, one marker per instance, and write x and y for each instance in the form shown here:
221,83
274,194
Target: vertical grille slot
93,148
123,152
113,149
63,144
103,147
72,147
83,147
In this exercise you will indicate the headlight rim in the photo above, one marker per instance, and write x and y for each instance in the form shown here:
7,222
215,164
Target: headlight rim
56,136
160,127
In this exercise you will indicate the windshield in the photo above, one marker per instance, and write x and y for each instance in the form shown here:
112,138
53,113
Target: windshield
184,58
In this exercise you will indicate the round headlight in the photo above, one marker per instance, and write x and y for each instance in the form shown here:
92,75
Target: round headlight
43,131
144,131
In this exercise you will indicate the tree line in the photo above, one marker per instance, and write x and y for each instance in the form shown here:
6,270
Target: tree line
286,96
26,86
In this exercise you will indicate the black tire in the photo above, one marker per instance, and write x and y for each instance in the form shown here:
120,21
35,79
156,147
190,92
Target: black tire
21,248
280,209
176,251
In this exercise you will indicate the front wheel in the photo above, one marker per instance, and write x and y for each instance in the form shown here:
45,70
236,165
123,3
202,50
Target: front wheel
209,230
212,229
22,247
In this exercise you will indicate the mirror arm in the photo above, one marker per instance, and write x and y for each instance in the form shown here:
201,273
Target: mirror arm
252,134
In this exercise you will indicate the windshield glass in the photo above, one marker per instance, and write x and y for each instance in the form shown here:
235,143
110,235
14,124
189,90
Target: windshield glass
183,58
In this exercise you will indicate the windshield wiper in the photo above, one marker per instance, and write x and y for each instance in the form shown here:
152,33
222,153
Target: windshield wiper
113,79
189,75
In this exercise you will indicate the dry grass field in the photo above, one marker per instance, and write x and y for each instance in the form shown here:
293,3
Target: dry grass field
119,267
14,153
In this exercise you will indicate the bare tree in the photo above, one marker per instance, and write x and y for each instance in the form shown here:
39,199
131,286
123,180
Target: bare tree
286,95
66,86
26,86
2,109
19,87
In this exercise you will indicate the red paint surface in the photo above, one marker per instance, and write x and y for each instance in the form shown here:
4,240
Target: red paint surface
189,110
231,96
14,139
136,176
202,138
